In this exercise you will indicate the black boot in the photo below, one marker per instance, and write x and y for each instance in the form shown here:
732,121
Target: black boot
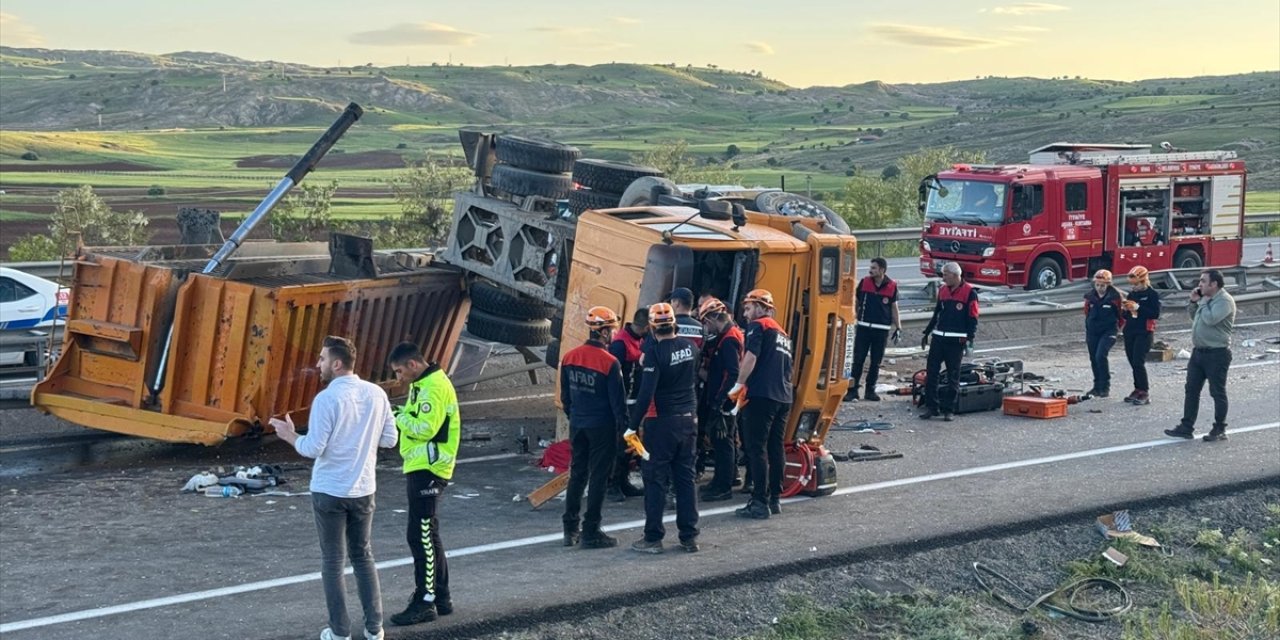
417,612
571,535
775,506
597,539
754,510
630,490
1217,434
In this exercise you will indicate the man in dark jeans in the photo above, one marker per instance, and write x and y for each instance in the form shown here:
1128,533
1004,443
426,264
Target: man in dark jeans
875,304
948,336
593,397
1213,313
764,378
349,420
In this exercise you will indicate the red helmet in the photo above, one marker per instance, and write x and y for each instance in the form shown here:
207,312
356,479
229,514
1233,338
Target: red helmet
761,297
661,314
711,306
601,317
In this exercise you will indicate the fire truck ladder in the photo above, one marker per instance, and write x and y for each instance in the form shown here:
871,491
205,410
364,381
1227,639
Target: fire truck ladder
1156,158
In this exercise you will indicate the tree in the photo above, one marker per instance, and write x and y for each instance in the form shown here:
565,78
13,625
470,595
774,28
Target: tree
304,213
80,216
890,172
868,202
425,193
672,157
732,151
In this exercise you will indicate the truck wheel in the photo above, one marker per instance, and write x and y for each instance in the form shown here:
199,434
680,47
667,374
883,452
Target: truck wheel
1187,259
553,354
1045,274
640,192
523,182
582,199
518,333
612,177
536,155
789,204
497,301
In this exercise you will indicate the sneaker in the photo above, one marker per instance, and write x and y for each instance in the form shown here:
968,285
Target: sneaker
871,395
754,510
444,606
1180,432
715,496
328,634
852,394
645,546
1101,393
571,536
928,414
417,612
946,416
1140,398
1215,436
374,636
630,490
689,546
598,540
1133,395
775,507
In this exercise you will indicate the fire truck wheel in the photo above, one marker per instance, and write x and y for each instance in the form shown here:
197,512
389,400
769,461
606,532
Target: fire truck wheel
497,301
791,204
517,333
613,177
1187,259
1045,274
536,155
523,182
640,192
582,199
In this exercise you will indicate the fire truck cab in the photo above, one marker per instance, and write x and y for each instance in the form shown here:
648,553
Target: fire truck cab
1075,208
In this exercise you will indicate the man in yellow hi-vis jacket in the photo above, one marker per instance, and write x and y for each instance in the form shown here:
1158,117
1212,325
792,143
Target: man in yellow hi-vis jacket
430,429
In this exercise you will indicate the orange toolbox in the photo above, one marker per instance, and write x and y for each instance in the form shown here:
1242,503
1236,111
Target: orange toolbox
1035,407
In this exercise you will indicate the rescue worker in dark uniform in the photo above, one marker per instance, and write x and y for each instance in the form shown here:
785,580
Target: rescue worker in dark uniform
592,394
949,335
688,327
1103,316
764,378
670,367
626,347
875,306
724,343
1142,308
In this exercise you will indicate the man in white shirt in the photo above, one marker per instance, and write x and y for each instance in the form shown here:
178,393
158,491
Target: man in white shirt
349,420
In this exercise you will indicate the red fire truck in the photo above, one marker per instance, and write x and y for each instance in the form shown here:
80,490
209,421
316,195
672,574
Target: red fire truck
1075,208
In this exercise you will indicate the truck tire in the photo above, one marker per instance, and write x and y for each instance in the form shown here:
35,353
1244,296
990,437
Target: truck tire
640,192
536,155
612,177
523,182
582,199
1187,259
1045,274
497,301
791,204
518,333
552,357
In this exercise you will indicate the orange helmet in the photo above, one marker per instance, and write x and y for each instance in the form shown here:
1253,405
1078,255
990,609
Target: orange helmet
1103,275
600,318
710,306
1139,273
761,297
661,314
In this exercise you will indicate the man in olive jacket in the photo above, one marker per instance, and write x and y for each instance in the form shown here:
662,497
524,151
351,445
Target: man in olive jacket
430,430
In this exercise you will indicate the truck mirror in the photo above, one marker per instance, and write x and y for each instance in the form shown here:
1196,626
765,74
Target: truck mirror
739,216
715,209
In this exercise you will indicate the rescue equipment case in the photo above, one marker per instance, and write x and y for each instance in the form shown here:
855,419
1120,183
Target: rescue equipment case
1035,407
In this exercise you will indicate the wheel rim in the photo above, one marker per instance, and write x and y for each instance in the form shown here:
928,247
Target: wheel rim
1048,278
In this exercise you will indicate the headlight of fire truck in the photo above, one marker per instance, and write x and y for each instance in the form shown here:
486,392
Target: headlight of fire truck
988,252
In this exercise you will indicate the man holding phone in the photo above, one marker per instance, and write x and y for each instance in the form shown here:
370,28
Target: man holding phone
1213,318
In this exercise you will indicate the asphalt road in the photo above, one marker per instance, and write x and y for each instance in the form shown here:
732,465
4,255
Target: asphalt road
117,552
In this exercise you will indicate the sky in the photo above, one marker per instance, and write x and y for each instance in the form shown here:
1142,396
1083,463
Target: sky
800,42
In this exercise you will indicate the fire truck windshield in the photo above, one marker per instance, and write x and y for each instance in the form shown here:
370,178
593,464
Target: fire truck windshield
970,201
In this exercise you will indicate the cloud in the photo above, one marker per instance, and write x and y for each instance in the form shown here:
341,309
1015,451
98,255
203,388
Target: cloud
625,20
933,37
1028,8
410,34
1025,29
16,33
760,47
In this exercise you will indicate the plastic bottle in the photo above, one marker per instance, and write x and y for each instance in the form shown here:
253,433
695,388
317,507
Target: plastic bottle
228,491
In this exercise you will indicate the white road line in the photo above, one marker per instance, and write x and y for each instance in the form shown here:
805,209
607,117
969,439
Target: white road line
89,614
496,456
528,397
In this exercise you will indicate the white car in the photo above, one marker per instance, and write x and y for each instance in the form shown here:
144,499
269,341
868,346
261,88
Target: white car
28,303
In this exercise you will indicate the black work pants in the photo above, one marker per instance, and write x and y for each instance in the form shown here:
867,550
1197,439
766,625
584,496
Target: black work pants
722,430
1100,343
1211,365
430,568
593,453
670,441
763,422
866,339
949,352
1136,347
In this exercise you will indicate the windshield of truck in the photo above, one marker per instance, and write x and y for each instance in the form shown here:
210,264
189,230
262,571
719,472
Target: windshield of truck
967,201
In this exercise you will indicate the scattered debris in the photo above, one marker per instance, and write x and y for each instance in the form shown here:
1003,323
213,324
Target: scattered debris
866,453
1183,354
863,426
480,436
1068,600
1115,557
1249,344
1119,525
199,481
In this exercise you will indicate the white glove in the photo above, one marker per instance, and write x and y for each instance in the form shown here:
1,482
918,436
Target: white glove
737,387
628,433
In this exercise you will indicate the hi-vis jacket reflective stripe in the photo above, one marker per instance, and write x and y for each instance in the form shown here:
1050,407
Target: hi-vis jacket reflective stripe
956,314
429,424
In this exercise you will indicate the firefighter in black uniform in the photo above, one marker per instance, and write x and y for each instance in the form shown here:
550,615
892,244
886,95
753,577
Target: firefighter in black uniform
670,366
764,378
949,335
592,394
876,308
724,343
626,348
687,326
